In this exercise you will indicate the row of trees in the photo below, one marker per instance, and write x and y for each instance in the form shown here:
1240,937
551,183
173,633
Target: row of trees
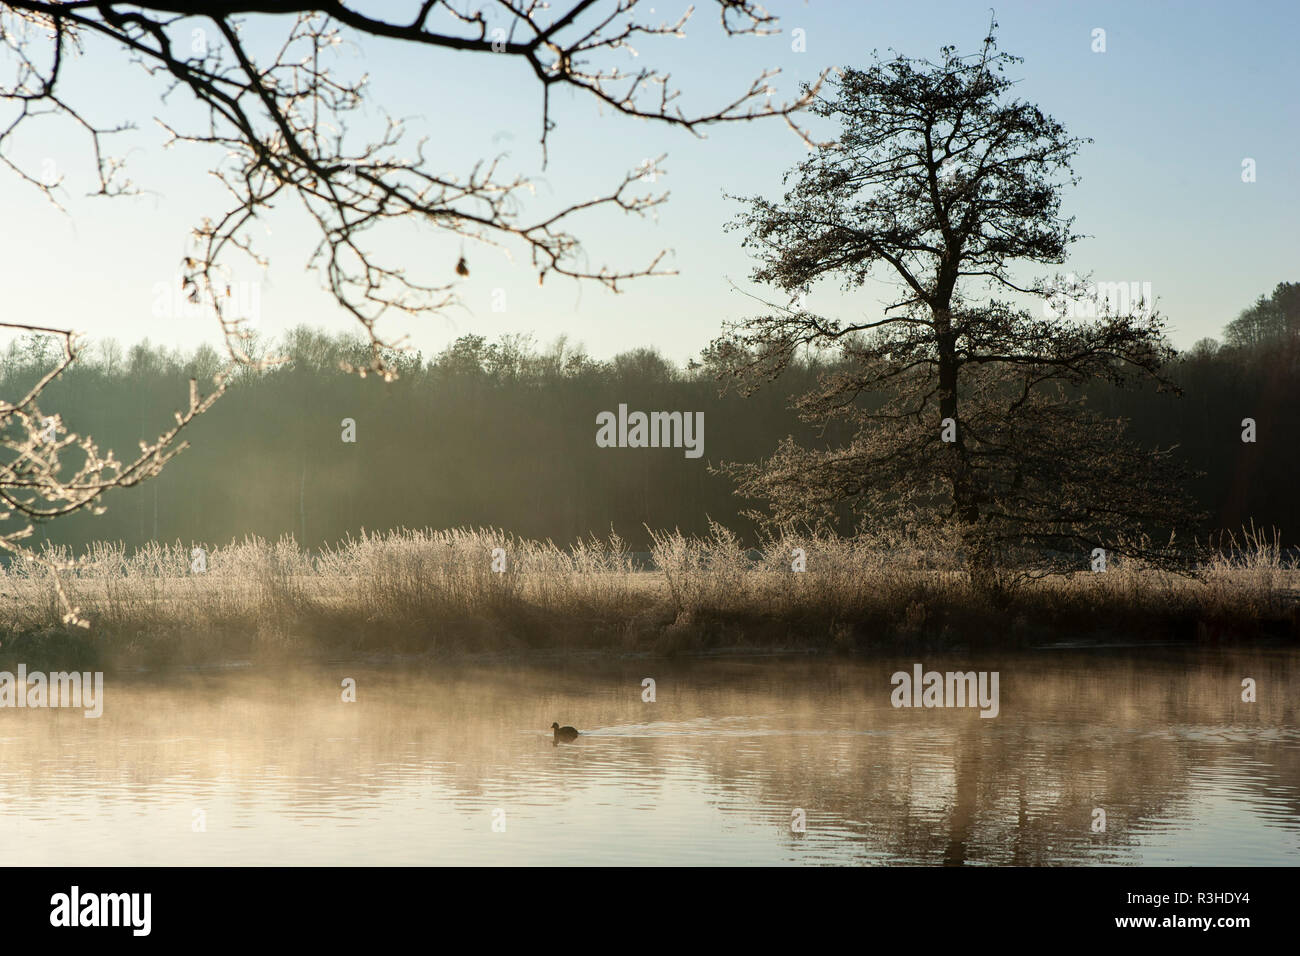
1273,320
495,434
503,433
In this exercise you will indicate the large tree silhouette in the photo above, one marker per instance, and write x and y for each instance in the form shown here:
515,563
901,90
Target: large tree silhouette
967,411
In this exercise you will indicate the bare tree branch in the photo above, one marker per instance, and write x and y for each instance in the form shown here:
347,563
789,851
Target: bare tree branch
48,471
280,123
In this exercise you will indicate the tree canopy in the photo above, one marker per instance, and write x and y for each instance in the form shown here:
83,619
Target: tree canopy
966,411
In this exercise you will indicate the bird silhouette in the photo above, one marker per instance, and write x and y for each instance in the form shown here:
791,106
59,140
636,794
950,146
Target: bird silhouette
566,734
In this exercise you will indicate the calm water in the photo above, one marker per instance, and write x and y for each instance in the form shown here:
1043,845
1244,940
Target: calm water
416,771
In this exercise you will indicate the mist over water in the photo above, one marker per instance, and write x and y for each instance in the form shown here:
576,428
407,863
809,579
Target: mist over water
415,772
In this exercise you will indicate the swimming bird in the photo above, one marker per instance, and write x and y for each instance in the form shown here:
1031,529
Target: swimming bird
567,734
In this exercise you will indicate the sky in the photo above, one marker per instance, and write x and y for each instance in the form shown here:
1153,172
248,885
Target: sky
1182,95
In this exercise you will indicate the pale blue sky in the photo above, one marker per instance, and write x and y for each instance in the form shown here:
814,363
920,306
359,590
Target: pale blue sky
1182,94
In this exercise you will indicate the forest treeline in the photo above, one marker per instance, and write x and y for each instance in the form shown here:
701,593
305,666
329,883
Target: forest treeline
503,434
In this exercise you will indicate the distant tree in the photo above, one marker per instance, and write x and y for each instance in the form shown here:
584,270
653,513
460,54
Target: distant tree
1272,319
642,365
966,414
110,357
204,365
468,355
563,359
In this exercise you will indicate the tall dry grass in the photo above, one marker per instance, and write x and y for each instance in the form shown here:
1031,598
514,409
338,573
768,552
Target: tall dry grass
436,591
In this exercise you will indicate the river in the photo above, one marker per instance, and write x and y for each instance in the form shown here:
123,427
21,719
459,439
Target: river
737,760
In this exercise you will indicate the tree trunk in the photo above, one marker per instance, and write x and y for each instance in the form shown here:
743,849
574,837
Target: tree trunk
981,561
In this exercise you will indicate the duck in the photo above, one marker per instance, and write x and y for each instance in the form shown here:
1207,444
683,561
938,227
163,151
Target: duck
566,734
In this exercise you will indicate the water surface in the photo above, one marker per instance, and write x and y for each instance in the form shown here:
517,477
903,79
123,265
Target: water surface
252,766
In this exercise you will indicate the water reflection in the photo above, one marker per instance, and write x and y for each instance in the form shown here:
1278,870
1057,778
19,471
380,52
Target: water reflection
259,768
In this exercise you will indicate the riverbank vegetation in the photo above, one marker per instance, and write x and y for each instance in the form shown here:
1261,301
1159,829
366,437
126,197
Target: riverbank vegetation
436,593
